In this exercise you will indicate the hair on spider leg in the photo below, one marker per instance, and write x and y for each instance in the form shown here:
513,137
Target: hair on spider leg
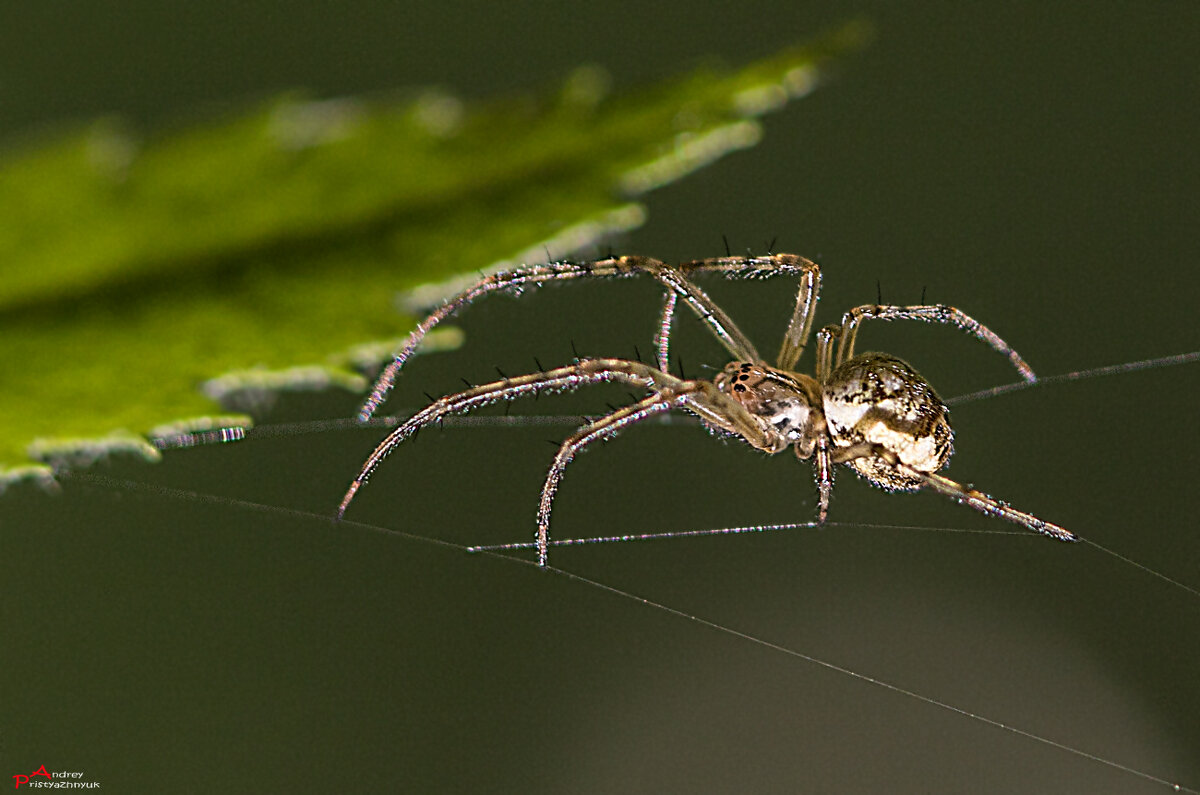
501,372
771,246
637,354
878,293
725,240
539,365
923,295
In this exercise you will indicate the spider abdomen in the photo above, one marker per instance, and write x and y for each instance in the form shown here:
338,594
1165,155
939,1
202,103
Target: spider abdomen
880,401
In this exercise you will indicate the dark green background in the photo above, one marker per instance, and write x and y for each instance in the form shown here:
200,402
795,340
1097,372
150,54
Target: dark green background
1035,167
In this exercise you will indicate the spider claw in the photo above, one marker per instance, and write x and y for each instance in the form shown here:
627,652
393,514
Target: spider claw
1056,532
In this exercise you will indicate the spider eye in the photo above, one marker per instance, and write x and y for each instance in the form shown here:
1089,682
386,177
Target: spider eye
781,403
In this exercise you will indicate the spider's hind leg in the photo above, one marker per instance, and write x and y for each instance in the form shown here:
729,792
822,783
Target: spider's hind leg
989,505
513,280
587,371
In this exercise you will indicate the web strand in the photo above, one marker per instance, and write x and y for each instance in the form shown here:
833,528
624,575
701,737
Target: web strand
720,531
775,647
1078,375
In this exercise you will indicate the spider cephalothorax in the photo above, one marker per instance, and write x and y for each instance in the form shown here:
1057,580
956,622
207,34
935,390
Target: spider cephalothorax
872,412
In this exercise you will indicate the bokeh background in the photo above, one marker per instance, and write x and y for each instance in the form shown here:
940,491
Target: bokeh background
1032,163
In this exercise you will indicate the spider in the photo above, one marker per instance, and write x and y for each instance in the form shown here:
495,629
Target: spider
871,411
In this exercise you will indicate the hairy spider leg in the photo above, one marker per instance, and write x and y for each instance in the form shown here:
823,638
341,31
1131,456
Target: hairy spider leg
722,326
823,469
826,339
800,325
662,338
518,278
513,280
587,371
701,398
672,277
795,339
986,504
965,495
932,313
603,428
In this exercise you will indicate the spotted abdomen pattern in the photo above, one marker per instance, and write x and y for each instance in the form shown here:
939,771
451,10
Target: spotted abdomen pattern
877,399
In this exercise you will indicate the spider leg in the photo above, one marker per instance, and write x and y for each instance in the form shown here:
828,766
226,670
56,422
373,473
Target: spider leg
934,313
674,279
826,338
587,371
990,505
512,280
721,325
823,466
958,492
701,398
796,337
662,340
800,326
603,428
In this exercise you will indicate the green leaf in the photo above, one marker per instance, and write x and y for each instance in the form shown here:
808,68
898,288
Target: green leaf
265,251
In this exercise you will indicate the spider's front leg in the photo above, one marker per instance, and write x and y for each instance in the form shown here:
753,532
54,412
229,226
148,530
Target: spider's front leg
513,281
603,428
587,371
701,398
